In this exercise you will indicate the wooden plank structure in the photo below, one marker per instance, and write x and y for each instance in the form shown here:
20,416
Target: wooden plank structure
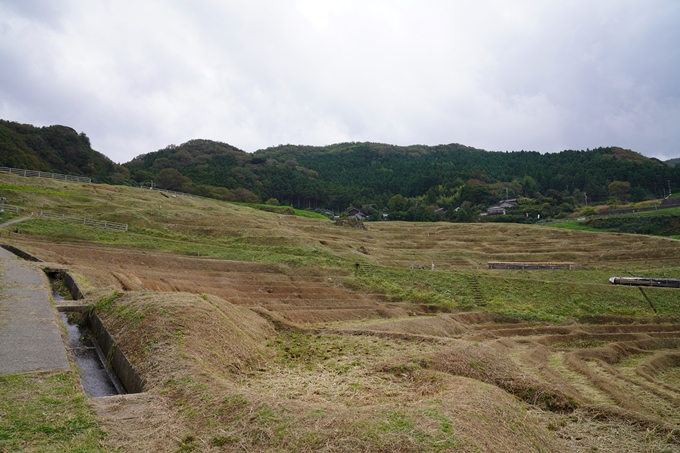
530,266
644,281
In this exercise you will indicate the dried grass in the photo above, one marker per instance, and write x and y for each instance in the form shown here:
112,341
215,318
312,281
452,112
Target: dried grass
438,326
214,386
478,361
155,329
657,364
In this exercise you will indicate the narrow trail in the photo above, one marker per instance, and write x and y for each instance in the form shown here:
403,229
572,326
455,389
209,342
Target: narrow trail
12,222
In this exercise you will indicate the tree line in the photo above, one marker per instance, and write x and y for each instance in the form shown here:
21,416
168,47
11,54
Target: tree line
452,182
420,183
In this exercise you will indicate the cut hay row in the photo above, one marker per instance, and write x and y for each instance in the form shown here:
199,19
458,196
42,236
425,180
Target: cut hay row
530,266
297,304
312,316
567,330
662,361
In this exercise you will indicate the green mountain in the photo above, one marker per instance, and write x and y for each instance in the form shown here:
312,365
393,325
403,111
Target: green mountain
673,162
410,182
372,173
57,149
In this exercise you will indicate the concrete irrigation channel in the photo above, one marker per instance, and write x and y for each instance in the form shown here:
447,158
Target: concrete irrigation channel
104,368
29,344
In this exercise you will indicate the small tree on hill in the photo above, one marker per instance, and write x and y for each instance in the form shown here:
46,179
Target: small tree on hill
244,195
171,179
620,190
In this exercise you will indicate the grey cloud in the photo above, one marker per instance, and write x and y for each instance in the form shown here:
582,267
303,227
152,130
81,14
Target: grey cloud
136,76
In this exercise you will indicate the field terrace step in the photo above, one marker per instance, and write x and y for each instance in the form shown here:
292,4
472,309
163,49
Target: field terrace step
674,334
551,340
312,303
250,292
567,330
317,291
323,316
282,309
263,295
250,281
239,286
438,262
207,275
310,298
328,303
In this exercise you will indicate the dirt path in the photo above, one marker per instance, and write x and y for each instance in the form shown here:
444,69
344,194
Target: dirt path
29,334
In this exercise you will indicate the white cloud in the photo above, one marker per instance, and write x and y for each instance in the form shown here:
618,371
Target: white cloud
138,75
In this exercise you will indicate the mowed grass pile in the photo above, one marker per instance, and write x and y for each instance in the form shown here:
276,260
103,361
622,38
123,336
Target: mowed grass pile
387,250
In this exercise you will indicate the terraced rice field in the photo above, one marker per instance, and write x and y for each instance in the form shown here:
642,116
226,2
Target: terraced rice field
606,364
311,352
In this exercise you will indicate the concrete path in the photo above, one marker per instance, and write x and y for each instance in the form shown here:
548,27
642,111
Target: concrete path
12,222
30,339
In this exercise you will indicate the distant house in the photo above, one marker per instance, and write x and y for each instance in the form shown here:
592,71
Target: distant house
357,214
495,210
500,208
508,203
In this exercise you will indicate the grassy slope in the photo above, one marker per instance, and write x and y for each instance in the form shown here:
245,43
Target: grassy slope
460,252
260,408
663,222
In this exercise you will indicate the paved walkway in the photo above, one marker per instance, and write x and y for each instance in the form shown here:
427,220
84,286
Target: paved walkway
30,339
12,222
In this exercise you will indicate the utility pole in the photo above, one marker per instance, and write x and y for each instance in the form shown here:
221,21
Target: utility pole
506,193
586,195
669,187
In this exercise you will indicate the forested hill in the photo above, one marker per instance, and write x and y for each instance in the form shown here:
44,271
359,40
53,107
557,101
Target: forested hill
358,174
57,149
374,176
673,162
375,169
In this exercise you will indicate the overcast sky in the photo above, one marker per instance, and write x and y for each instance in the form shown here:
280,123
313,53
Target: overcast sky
541,75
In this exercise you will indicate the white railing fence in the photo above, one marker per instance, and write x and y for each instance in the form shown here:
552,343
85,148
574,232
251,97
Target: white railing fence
114,226
172,192
9,208
43,174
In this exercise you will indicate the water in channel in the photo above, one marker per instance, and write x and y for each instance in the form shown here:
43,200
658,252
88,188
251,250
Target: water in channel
96,377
